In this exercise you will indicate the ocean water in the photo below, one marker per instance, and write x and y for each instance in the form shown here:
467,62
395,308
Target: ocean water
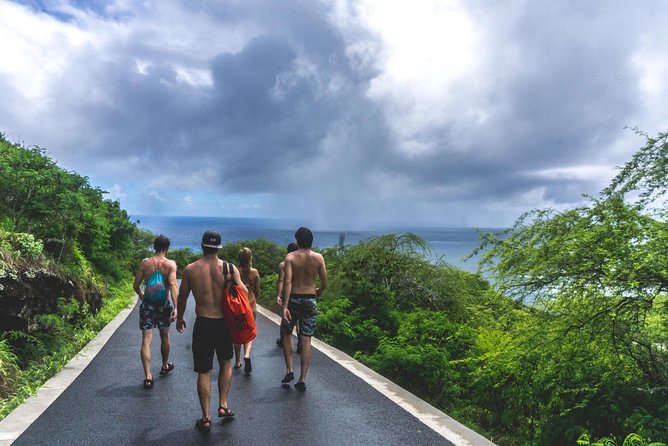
446,244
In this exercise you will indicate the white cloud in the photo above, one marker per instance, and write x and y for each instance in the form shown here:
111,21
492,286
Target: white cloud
116,193
35,47
156,196
429,50
598,173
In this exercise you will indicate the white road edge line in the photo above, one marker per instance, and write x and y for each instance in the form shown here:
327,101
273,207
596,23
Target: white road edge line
20,419
447,427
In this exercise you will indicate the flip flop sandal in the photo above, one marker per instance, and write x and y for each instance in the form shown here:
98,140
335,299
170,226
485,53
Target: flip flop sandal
300,385
224,412
148,383
285,383
164,371
248,368
203,425
288,377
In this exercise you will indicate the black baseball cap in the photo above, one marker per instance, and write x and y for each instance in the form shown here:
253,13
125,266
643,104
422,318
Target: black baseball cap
211,239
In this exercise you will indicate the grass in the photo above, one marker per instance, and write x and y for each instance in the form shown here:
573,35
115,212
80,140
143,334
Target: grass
18,385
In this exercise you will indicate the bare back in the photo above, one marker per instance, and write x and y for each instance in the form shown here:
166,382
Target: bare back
204,278
250,278
302,268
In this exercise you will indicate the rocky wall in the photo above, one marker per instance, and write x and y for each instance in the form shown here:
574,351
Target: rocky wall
25,294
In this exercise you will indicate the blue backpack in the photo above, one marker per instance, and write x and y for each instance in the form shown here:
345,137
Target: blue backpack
155,291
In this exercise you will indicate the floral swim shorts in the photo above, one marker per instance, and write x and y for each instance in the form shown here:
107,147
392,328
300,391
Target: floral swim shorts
155,315
303,309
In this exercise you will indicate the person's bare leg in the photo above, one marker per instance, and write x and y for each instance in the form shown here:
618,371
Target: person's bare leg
237,356
224,382
299,338
248,367
249,345
287,350
305,358
204,393
164,346
145,352
247,349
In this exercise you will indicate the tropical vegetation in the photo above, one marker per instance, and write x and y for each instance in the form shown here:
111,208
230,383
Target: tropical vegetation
561,338
53,221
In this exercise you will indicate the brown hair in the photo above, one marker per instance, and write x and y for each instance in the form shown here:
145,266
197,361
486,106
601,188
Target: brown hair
304,237
161,243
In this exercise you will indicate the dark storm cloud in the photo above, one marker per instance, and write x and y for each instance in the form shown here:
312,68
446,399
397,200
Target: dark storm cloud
268,98
266,114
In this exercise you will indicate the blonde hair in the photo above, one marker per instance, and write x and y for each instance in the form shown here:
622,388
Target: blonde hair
245,258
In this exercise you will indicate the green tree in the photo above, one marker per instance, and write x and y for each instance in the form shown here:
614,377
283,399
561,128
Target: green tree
73,219
595,278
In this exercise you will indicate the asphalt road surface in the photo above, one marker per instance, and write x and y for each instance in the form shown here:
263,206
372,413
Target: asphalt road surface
107,404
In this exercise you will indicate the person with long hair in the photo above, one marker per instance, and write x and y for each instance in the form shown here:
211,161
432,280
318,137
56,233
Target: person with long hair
251,278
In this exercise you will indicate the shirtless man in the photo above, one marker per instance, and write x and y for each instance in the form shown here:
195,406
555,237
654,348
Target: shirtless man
205,279
302,267
156,309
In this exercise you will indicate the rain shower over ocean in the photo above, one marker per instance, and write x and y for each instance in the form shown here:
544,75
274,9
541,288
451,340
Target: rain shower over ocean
448,244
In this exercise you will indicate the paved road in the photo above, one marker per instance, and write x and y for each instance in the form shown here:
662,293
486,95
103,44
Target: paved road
106,404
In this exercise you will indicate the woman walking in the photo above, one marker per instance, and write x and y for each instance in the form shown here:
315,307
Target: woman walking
251,278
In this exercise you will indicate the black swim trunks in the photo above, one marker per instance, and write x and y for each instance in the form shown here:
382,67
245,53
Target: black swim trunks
303,309
210,335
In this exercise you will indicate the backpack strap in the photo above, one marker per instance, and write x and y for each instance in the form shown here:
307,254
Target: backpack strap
157,265
228,268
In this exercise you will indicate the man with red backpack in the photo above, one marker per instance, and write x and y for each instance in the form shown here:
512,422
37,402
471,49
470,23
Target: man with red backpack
157,310
207,280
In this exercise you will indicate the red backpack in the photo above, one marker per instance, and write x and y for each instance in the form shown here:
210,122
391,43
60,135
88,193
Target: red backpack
238,313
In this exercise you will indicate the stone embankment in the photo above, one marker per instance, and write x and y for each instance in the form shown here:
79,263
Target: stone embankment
27,293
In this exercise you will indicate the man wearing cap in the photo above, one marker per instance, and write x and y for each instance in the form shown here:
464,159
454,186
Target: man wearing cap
205,279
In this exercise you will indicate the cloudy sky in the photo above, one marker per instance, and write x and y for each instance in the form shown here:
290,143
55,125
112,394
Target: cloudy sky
338,113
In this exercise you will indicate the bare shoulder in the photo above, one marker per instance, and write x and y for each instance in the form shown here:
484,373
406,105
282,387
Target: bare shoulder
254,272
144,264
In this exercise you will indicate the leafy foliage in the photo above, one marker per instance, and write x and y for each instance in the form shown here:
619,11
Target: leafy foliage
9,371
63,210
595,278
16,245
50,346
54,219
630,440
